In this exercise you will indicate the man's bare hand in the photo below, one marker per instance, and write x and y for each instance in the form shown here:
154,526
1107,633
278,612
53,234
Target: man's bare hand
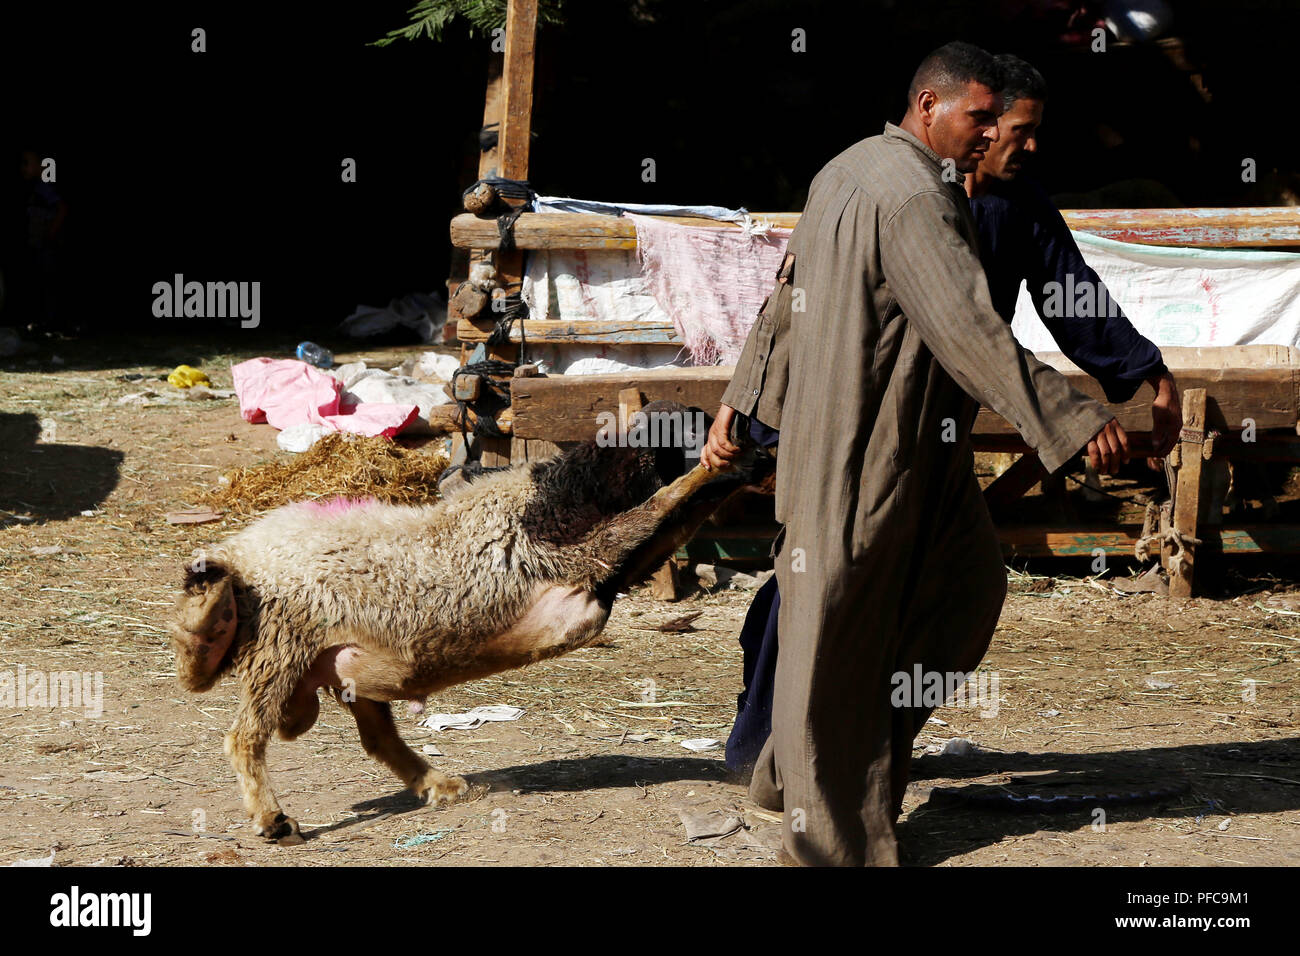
718,451
1108,448
1166,417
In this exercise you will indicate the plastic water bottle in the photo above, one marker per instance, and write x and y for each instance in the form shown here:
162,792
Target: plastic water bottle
314,354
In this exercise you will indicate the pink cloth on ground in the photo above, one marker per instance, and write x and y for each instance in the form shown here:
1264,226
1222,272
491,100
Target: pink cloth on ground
711,280
284,392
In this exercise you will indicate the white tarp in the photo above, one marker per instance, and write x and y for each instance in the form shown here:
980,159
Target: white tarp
600,284
586,285
589,284
1174,296
1179,296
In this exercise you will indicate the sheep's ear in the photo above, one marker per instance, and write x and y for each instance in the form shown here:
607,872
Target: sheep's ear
201,575
207,603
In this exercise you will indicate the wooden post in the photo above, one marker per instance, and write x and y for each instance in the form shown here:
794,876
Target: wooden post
509,103
1054,490
664,584
1010,486
629,403
517,90
1187,494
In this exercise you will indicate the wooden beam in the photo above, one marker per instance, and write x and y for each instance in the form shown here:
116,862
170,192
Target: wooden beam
1264,227
629,403
586,332
1035,541
565,407
1008,487
663,584
750,542
517,90
564,230
1268,396
562,408
1187,495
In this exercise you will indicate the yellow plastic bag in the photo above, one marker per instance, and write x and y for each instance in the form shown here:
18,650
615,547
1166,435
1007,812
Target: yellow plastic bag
183,376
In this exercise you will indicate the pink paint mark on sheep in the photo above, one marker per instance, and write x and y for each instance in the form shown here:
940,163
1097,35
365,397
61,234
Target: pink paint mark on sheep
334,507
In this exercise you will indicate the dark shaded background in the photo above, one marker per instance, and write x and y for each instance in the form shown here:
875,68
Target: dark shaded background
225,165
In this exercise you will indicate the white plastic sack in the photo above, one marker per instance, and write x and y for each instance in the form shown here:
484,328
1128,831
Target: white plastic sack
1182,296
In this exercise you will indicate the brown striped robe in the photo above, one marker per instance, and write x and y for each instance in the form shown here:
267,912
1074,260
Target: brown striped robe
888,556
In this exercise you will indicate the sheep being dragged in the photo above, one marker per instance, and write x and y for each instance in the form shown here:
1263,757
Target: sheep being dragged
377,603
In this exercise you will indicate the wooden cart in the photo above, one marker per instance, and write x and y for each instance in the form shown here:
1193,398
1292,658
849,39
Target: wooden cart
1223,390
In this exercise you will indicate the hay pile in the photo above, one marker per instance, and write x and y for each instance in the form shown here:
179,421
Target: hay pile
335,465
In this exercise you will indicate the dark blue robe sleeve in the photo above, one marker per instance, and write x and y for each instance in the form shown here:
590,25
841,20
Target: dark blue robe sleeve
1103,341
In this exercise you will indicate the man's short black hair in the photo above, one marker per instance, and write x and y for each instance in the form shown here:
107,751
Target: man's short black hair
1021,81
949,68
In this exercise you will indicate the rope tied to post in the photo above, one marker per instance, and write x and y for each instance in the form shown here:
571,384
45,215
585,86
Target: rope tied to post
511,308
488,197
1152,540
491,402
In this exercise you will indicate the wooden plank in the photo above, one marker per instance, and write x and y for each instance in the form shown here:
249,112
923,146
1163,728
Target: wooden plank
1039,541
1262,394
1267,446
1266,395
1035,541
487,160
750,543
747,544
575,230
565,407
532,449
1265,227
1187,496
587,332
1279,445
1011,485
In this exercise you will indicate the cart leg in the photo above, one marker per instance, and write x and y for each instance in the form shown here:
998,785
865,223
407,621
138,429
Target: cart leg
1187,494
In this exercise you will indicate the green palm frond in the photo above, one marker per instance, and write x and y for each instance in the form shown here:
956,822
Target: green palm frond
429,18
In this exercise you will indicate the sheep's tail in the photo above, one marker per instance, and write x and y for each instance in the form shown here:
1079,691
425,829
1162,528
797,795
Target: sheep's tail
204,625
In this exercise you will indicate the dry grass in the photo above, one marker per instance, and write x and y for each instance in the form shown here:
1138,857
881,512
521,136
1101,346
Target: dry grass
335,465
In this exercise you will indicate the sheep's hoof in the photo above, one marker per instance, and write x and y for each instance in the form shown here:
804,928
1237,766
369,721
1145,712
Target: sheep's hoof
279,829
437,788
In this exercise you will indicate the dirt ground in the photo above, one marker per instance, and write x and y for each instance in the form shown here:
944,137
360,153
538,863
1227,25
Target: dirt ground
1098,692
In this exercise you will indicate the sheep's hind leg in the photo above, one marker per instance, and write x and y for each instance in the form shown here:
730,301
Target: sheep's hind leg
636,542
381,740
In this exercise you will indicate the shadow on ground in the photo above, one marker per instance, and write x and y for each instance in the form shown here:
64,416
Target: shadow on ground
50,482
601,771
1262,777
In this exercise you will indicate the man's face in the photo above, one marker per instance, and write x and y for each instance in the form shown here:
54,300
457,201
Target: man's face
1017,139
963,125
